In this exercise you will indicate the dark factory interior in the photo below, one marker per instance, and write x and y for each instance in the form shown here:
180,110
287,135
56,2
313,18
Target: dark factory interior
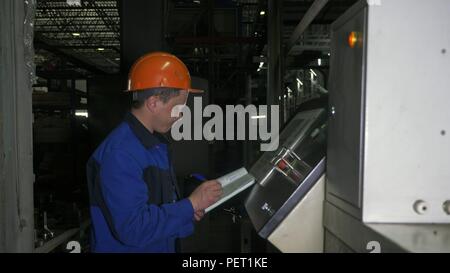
66,66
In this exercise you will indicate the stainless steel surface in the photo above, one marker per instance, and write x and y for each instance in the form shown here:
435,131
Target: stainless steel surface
302,229
332,244
345,133
433,238
387,149
277,192
352,233
279,213
407,108
289,138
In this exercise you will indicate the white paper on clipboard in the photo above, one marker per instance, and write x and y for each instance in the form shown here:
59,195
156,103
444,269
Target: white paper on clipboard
232,184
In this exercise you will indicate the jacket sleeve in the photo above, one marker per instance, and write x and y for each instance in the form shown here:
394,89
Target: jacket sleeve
136,222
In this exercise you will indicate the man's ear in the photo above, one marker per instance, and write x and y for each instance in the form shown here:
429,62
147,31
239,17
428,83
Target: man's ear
152,103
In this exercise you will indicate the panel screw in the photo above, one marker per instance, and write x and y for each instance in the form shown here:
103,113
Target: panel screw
420,207
446,207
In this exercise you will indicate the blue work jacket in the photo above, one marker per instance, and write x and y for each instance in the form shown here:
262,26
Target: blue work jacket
134,199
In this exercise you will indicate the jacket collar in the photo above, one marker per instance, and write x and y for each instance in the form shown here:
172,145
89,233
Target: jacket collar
147,138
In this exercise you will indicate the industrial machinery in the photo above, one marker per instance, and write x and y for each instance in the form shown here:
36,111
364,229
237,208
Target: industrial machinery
388,152
288,197
387,178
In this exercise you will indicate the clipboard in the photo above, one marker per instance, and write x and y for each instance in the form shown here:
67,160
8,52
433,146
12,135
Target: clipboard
232,184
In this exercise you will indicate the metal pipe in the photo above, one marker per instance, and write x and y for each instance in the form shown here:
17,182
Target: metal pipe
46,229
63,237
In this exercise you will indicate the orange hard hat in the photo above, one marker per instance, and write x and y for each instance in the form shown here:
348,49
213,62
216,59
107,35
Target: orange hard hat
159,69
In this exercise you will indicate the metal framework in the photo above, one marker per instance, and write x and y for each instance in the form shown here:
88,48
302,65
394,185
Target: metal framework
89,33
313,33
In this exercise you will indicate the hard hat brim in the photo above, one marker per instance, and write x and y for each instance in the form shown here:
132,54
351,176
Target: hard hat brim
193,90
190,90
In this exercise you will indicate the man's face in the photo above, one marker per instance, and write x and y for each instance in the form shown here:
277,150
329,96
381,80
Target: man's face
163,119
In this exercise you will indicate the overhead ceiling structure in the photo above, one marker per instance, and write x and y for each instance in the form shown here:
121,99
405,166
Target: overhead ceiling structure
84,39
314,42
79,39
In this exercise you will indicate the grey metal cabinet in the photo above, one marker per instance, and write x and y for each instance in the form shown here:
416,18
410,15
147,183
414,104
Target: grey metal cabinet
345,137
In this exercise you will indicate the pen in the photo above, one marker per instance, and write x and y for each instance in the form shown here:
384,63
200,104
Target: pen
199,177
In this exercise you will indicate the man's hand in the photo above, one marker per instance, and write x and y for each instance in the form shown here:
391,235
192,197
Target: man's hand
199,215
205,195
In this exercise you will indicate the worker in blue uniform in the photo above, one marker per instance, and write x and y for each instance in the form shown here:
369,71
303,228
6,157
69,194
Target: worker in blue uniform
135,203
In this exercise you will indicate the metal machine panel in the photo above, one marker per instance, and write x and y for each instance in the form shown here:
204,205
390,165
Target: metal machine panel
383,238
389,145
346,103
302,229
353,234
286,175
403,188
407,107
